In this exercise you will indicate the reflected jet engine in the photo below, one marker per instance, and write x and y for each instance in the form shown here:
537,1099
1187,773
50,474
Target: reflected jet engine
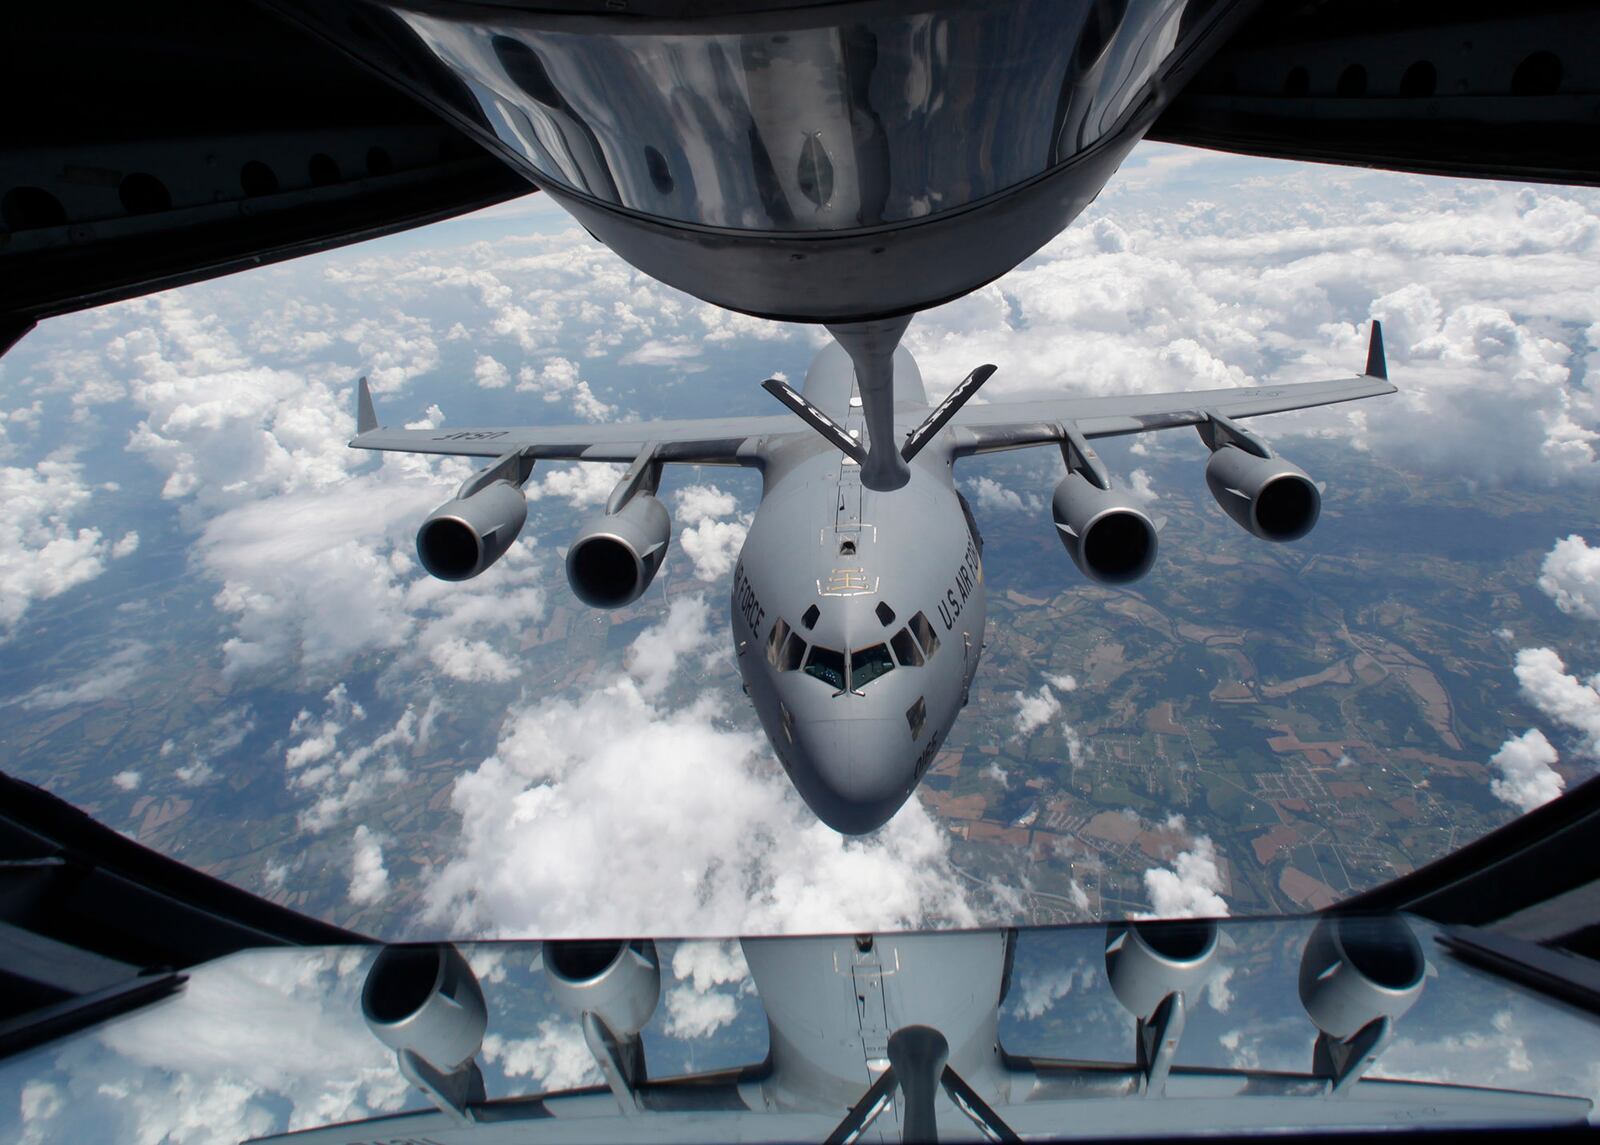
424,1003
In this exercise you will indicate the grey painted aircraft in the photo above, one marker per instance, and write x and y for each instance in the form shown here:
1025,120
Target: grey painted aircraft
858,611
870,1034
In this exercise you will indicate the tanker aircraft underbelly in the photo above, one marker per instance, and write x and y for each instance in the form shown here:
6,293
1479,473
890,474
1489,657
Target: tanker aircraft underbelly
858,602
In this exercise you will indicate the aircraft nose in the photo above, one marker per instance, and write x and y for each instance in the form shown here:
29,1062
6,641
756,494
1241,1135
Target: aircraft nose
861,772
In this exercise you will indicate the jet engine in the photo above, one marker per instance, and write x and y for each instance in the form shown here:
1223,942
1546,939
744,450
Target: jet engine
466,535
1357,970
1110,540
617,982
617,555
1268,496
1147,961
425,1000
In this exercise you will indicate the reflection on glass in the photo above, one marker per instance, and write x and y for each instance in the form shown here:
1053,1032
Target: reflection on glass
867,664
827,665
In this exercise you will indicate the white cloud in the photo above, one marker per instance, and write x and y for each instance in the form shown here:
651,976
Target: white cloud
579,485
126,545
1039,993
108,677
490,373
1035,709
1156,290
1563,698
1077,749
369,878
713,545
1062,683
289,1056
1528,777
558,378
695,1014
556,1056
613,813
658,652
126,780
337,774
1571,577
997,773
42,554
1191,887
1140,489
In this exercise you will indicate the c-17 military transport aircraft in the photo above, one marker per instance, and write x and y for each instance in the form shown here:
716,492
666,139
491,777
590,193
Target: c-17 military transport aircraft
858,599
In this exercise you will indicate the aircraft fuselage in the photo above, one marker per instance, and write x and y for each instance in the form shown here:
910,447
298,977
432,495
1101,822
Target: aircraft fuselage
858,616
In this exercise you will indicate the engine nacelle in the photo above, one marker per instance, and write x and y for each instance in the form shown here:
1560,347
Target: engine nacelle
1267,496
1110,540
1146,961
617,555
464,536
1357,970
425,1000
617,982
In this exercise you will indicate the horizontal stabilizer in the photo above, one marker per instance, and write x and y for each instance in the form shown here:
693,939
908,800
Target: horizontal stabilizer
1377,365
936,420
366,413
832,431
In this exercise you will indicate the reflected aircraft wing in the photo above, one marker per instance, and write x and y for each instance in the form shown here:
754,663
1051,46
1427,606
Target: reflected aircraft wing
703,441
1013,425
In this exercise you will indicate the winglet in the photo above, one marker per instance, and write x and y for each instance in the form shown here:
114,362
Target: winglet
1377,365
366,414
937,420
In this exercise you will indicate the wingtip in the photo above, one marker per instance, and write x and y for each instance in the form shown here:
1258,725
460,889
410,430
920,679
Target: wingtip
366,412
1377,364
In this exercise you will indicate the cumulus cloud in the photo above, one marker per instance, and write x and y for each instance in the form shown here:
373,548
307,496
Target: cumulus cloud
616,813
1528,777
337,773
369,878
1191,887
1482,289
1039,993
1569,701
1571,577
578,485
1062,683
556,1056
490,373
126,780
711,543
559,378
42,554
1035,709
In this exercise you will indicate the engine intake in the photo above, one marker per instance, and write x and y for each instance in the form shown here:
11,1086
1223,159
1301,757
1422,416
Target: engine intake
1146,961
618,982
1267,496
1110,540
1357,970
425,1000
617,555
464,536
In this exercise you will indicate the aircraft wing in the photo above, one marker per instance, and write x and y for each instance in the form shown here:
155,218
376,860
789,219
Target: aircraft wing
703,441
1013,425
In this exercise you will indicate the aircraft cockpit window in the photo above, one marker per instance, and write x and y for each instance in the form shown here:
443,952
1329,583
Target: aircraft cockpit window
906,650
867,664
885,613
810,617
923,631
792,654
827,665
916,716
775,639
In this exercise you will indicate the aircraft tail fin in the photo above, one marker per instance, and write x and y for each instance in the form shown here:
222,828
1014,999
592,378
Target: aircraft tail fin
831,431
1377,364
946,410
366,412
